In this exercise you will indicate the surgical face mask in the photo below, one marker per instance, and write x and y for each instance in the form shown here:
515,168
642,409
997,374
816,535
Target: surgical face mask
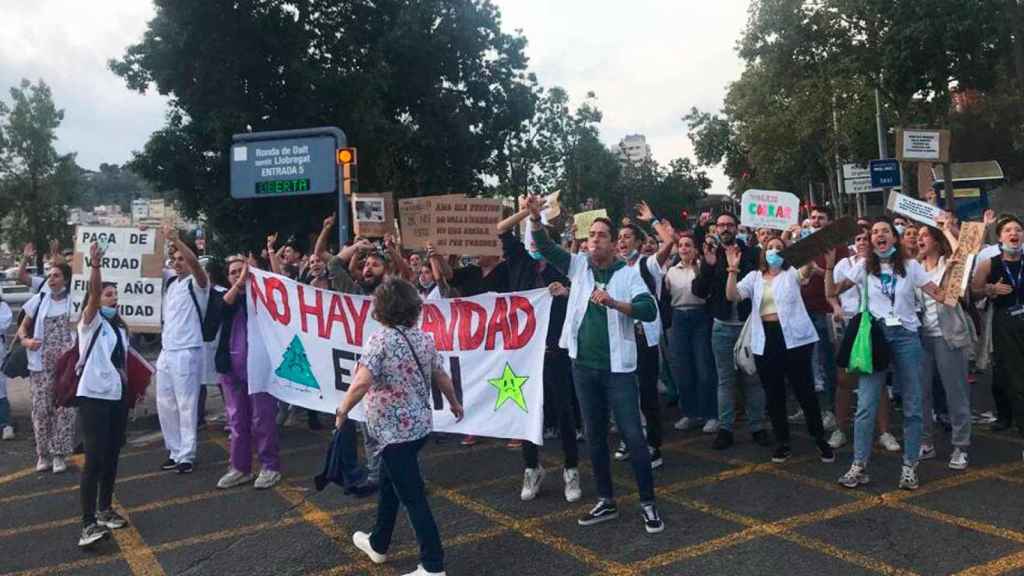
805,232
536,256
773,258
742,237
1010,250
108,312
886,253
900,229
631,254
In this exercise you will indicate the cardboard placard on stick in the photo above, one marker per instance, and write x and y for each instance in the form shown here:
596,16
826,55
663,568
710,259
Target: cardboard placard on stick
373,215
838,233
583,220
969,244
914,209
922,145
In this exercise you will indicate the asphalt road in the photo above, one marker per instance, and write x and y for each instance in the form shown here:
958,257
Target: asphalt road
728,512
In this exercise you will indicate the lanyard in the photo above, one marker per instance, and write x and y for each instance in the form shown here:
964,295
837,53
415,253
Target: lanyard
890,295
1015,282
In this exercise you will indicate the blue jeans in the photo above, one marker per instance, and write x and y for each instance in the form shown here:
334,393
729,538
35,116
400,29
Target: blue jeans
906,357
5,412
600,391
825,358
693,364
402,484
723,340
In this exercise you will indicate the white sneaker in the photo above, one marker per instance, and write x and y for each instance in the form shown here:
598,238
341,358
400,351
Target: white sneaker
710,427
233,478
532,478
43,464
571,477
958,461
797,416
362,541
59,465
888,441
267,479
828,420
837,439
686,423
8,433
421,571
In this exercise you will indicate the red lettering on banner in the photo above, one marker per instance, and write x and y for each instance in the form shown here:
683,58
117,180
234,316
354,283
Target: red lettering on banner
499,323
336,313
518,339
470,336
283,315
359,316
316,310
434,323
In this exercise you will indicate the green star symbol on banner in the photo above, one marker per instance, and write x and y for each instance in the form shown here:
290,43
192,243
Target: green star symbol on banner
510,387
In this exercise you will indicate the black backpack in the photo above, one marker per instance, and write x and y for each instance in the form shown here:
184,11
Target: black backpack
210,324
664,301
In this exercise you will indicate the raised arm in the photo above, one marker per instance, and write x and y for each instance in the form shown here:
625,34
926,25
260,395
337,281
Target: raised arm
273,255
663,228
238,288
512,221
551,251
320,248
28,253
171,234
95,284
732,257
402,268
438,267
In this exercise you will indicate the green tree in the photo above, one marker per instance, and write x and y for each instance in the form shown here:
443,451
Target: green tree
112,184
36,184
427,90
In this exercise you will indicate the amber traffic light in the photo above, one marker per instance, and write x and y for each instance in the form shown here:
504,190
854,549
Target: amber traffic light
346,156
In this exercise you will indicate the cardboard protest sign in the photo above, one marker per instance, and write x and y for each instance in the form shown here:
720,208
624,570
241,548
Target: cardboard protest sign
769,209
467,226
914,209
583,220
914,145
416,219
133,260
304,344
969,243
838,233
373,215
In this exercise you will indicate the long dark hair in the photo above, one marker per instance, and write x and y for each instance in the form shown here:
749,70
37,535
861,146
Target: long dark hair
874,264
116,321
938,237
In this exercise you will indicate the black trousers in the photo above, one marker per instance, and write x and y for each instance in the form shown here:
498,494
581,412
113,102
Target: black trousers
558,394
103,427
648,368
778,365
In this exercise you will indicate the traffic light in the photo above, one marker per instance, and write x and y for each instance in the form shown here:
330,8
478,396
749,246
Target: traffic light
347,156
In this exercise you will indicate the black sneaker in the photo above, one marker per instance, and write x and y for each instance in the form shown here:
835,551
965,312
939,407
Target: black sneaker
169,464
1000,425
92,534
110,519
781,454
723,440
828,455
652,520
185,468
762,438
656,460
604,510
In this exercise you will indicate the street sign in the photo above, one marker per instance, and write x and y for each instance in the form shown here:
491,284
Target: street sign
885,173
285,163
856,179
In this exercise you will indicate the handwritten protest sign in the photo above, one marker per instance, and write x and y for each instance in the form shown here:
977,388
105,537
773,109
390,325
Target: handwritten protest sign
416,219
838,233
373,215
954,281
467,226
133,261
304,344
583,220
914,209
769,209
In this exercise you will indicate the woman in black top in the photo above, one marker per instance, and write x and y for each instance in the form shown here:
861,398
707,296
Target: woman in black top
1001,280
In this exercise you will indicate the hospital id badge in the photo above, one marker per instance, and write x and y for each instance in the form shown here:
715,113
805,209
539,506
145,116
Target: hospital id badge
1016,310
892,320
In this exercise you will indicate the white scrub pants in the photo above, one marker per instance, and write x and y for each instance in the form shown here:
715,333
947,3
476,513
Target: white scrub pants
178,374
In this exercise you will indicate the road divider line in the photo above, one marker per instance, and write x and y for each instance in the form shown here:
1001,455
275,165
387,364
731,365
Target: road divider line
136,552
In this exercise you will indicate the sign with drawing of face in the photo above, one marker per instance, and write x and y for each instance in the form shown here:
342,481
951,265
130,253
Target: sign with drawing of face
373,214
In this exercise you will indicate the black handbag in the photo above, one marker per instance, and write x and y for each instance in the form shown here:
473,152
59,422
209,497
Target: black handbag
880,354
16,361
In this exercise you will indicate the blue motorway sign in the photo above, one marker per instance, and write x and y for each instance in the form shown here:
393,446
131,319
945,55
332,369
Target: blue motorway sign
285,163
884,173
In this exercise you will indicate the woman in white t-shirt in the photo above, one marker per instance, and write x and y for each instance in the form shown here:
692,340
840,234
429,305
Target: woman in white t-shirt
102,402
891,283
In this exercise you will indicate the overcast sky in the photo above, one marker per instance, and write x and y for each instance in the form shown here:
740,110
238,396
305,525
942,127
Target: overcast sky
649,61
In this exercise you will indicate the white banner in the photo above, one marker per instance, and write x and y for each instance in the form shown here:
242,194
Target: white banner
769,209
304,344
914,209
120,241
138,299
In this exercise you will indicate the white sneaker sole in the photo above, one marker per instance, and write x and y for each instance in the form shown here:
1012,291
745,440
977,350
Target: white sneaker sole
361,540
650,530
86,542
235,483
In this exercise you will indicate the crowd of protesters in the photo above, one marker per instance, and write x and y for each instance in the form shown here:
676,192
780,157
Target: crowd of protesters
644,316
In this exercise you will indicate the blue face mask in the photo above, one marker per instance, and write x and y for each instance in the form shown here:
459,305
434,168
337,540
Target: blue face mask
536,256
887,253
108,312
900,229
1010,250
742,237
805,232
773,258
